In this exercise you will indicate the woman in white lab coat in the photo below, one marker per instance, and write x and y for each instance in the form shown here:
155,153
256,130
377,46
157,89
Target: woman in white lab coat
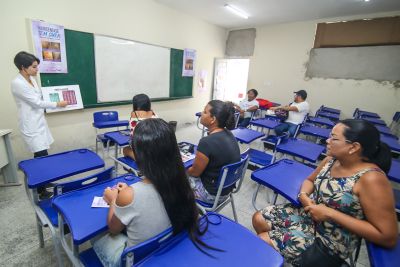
30,104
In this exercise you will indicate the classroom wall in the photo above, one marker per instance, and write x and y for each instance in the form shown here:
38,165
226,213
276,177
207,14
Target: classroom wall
139,20
279,64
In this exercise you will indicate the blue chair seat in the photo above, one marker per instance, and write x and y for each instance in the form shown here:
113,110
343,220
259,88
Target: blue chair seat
259,157
130,162
50,212
89,258
204,204
383,257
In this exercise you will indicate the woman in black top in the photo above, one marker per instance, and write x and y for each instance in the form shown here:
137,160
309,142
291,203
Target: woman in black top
214,151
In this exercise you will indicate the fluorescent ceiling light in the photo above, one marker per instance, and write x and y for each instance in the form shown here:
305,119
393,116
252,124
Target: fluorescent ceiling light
236,11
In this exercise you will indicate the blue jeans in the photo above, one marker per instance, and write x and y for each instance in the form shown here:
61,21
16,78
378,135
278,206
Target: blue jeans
286,127
109,249
244,122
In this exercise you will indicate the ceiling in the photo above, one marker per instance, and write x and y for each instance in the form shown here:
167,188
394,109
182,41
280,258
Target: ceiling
262,12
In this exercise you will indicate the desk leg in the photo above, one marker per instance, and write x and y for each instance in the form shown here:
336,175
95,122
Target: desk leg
10,170
116,157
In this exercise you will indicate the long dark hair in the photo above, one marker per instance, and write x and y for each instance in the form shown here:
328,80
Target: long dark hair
224,112
159,159
141,102
372,149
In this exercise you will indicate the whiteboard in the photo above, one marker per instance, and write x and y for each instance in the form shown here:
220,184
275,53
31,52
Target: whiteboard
125,68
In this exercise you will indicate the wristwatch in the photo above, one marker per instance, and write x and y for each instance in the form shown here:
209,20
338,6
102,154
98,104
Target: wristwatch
301,193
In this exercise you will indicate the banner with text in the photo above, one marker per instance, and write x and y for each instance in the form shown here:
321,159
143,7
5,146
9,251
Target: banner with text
49,41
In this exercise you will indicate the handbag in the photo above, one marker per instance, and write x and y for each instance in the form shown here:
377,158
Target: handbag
318,254
281,114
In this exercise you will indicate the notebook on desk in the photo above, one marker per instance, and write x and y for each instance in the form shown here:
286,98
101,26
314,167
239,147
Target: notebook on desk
187,151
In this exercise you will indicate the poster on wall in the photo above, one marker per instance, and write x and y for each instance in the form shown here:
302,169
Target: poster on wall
201,87
69,93
189,58
49,41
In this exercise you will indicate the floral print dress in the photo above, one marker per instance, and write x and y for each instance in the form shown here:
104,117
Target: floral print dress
293,229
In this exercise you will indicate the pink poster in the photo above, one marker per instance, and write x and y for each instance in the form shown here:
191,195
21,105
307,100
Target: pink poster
49,41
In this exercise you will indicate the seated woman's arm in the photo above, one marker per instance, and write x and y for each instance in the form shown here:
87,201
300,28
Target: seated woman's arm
112,197
199,165
308,185
377,201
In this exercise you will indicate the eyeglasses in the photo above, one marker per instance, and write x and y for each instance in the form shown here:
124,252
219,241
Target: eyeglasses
337,139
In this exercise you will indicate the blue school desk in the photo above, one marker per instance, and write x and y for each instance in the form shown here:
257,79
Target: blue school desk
383,129
330,110
383,257
318,132
245,135
394,172
241,248
362,113
393,143
375,121
332,116
266,123
322,121
111,124
41,171
85,222
301,148
285,177
131,165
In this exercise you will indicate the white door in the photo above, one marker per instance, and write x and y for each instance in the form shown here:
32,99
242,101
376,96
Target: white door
230,79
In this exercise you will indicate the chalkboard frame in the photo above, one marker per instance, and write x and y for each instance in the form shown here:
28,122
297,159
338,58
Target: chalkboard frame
80,56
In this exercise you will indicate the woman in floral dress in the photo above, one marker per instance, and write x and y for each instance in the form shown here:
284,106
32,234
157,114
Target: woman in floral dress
346,197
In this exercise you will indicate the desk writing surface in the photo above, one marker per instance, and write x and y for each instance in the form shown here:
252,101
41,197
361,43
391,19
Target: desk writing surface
284,177
84,221
245,135
301,148
110,124
394,172
40,171
3,153
241,248
122,139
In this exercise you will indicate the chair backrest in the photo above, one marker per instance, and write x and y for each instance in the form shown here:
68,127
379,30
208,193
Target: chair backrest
232,173
396,116
355,113
103,116
104,175
237,117
300,125
138,252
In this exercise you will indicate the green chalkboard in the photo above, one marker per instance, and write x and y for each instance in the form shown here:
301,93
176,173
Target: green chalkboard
82,71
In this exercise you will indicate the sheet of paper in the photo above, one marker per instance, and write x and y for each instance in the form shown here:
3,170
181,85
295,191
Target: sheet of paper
98,202
187,156
69,93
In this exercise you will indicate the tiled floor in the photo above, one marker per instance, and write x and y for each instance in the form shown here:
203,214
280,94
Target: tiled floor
19,244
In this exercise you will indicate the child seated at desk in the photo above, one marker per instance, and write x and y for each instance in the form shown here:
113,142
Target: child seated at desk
141,111
163,198
214,151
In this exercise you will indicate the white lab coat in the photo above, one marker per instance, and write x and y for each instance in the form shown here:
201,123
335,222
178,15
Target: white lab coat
31,120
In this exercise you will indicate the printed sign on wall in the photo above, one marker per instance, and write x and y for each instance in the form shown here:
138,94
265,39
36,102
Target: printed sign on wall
49,41
189,58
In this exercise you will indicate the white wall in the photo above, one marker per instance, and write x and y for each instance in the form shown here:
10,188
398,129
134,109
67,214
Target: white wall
279,64
142,20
